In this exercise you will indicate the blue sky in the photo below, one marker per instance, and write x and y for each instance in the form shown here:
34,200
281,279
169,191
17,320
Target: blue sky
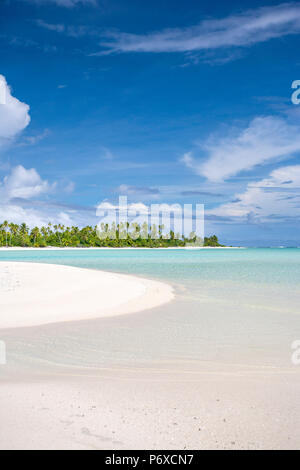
162,101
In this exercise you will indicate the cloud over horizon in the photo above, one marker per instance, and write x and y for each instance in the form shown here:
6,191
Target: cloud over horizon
272,199
17,190
20,187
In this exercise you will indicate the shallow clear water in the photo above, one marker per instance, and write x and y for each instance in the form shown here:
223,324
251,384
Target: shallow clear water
273,265
233,306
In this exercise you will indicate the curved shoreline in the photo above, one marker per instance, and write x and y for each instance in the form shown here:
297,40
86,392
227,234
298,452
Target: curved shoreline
34,294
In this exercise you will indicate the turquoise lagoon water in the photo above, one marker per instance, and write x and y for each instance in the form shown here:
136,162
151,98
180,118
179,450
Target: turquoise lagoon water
236,306
270,265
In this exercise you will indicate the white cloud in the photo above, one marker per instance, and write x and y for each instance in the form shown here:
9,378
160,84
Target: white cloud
14,115
245,29
19,189
266,139
18,200
18,215
23,183
287,177
36,217
270,199
64,3
64,219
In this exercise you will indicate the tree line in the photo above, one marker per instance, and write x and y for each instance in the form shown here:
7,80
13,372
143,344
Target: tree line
132,235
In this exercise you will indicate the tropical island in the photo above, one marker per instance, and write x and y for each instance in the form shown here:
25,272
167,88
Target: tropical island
113,236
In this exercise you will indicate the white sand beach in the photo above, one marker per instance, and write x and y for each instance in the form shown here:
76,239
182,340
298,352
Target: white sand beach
37,294
77,376
215,408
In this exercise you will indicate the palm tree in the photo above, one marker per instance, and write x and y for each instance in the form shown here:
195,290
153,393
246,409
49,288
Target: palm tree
12,231
104,235
35,233
5,227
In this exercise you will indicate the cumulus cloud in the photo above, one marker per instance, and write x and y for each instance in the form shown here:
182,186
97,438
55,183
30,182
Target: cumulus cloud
271,199
14,115
20,188
245,29
266,139
23,183
18,215
35,217
18,200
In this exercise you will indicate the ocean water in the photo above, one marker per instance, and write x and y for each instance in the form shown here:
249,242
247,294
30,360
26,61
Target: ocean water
232,306
271,265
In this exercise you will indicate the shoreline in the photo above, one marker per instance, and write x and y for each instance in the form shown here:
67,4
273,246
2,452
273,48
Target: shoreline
52,248
34,294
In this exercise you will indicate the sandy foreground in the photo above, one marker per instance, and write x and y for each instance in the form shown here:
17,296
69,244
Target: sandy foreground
50,400
38,294
150,409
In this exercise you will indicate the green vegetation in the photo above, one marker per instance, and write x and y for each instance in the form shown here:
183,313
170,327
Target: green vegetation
60,236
